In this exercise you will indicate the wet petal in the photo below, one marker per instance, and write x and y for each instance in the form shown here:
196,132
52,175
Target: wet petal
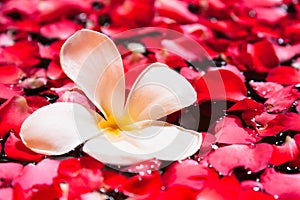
285,186
161,142
93,62
253,158
157,92
58,128
41,174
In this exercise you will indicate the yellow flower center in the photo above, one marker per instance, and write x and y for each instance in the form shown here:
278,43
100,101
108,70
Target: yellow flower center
110,124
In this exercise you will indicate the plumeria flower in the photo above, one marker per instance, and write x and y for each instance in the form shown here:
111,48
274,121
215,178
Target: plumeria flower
129,130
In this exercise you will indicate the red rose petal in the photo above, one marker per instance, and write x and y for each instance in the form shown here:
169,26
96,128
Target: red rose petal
15,149
142,185
282,100
265,89
54,10
190,74
264,56
46,192
284,153
266,3
229,130
285,53
254,158
270,15
268,124
246,104
6,92
54,71
13,112
40,174
221,189
291,121
177,10
86,181
90,163
36,102
28,8
220,84
251,194
113,180
80,180
175,192
187,173
16,55
281,185
284,75
135,13
10,74
69,168
60,29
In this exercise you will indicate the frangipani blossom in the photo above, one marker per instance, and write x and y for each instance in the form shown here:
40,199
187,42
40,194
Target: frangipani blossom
129,130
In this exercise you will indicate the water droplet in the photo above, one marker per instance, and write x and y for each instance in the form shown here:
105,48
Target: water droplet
252,13
142,174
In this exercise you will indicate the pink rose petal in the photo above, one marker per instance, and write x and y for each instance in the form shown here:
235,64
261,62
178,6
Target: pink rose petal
254,158
284,153
265,89
285,186
282,100
8,172
41,174
229,130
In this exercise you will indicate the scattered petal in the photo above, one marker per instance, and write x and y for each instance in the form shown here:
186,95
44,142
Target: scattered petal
254,158
13,112
283,187
220,84
15,149
40,174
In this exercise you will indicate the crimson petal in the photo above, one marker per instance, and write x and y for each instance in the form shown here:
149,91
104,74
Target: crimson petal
187,173
220,84
284,75
13,112
15,149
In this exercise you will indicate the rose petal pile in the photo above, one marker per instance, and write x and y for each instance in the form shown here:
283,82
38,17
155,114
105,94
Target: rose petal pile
250,149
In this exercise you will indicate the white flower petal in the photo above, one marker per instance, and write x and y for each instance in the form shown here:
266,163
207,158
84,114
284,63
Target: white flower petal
161,142
157,92
93,62
58,128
